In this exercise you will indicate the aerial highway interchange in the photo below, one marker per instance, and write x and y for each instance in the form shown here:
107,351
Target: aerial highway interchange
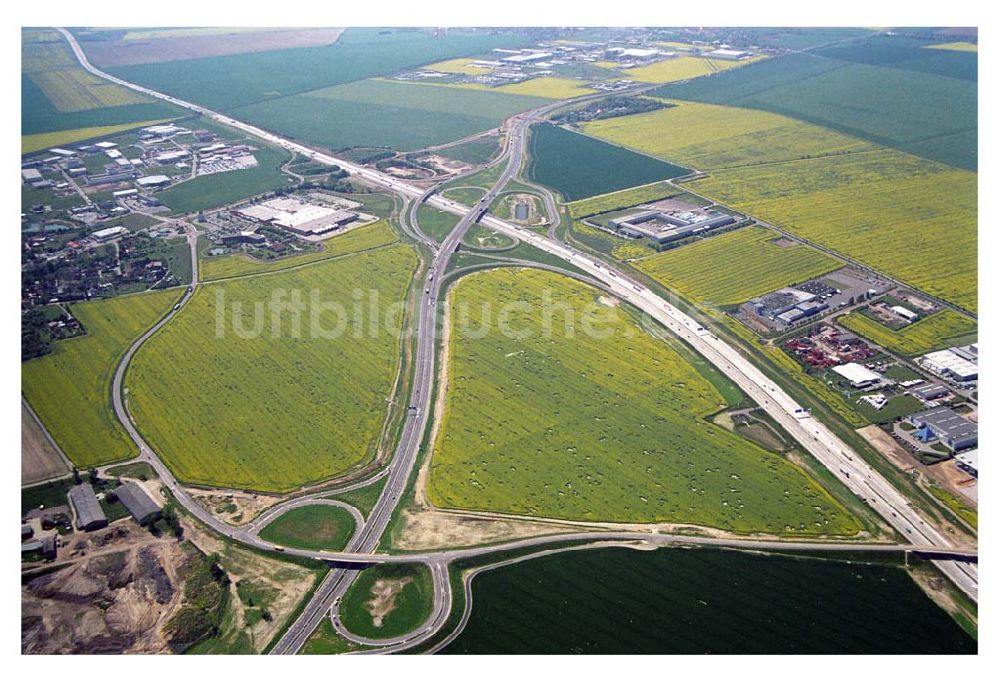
826,447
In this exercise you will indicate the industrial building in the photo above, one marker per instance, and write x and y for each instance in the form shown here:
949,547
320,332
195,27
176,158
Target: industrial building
666,226
89,515
728,54
905,313
786,306
945,425
155,181
929,392
969,462
859,375
302,218
107,234
958,364
139,504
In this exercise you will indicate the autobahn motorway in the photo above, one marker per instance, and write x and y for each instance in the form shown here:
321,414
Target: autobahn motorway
813,435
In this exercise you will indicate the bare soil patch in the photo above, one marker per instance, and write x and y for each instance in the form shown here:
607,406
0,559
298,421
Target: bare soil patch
234,507
383,599
39,459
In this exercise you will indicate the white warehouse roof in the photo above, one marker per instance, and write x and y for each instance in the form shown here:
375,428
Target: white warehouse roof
857,374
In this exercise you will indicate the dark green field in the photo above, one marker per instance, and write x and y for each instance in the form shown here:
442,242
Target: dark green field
617,601
908,54
399,115
900,102
324,527
239,79
215,190
580,166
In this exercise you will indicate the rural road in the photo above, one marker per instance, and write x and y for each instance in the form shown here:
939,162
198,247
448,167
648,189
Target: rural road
813,435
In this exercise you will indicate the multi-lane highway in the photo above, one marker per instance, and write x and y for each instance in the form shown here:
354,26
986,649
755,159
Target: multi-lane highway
816,438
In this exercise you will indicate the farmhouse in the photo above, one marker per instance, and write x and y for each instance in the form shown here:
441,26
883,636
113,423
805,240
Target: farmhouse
859,375
138,503
665,226
89,515
952,430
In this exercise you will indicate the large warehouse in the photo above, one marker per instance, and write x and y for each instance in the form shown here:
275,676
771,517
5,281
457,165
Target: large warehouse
138,503
302,218
859,375
89,515
954,431
957,364
666,226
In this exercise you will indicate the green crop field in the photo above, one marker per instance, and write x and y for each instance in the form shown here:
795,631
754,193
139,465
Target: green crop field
565,161
70,389
707,137
377,234
604,423
230,394
681,68
239,79
311,527
913,219
474,152
620,601
411,603
907,53
619,248
216,190
895,107
730,268
399,115
57,95
620,199
940,330
435,224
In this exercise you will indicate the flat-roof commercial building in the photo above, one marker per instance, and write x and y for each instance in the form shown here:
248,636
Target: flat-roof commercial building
952,430
154,181
662,227
245,236
929,392
89,515
969,462
139,504
728,54
957,364
905,313
302,218
859,375
106,234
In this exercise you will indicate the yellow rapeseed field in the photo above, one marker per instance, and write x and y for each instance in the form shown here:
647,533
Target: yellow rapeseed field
706,136
457,66
911,218
35,142
956,46
74,89
681,68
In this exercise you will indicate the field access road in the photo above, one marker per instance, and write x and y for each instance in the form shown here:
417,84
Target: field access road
813,435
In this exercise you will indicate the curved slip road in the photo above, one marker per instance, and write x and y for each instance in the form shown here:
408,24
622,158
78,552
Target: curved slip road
816,438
